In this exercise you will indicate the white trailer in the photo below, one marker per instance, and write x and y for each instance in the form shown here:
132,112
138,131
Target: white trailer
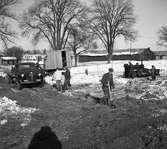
58,59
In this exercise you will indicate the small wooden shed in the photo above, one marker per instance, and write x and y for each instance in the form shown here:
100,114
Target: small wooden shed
58,59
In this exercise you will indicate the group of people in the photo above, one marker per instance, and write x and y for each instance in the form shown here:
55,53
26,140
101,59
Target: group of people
132,71
62,77
138,70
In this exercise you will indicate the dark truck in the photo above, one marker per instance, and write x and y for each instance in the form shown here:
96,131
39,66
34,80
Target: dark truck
25,74
132,71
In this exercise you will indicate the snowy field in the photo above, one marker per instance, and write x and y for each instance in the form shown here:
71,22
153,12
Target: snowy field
140,88
97,69
82,84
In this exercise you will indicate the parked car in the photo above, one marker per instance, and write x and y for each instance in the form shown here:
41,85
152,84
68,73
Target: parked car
26,73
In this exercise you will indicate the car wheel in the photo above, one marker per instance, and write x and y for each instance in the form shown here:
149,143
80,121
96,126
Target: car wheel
18,86
8,79
42,84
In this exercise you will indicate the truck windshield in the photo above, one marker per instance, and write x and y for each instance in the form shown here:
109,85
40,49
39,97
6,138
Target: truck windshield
22,66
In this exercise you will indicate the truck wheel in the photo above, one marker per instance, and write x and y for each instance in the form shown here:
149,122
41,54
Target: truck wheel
8,79
42,84
18,86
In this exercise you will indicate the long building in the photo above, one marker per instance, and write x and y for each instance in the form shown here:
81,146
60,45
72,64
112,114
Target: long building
123,54
160,55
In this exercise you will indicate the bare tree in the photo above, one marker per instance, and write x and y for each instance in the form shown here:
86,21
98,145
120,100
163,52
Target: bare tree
6,34
51,20
111,19
79,39
162,33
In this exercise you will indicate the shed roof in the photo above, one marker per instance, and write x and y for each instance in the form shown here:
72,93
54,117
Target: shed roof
8,58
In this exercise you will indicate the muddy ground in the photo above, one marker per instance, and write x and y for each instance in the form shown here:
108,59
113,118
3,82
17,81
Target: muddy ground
81,123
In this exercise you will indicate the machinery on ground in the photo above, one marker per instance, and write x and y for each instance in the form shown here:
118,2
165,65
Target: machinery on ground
132,71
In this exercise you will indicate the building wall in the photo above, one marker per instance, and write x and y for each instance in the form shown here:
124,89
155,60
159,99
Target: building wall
159,57
138,57
85,58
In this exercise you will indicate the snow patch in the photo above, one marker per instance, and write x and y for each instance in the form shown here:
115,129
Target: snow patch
49,80
85,79
10,109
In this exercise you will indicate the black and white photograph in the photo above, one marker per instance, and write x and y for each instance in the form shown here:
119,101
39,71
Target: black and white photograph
83,74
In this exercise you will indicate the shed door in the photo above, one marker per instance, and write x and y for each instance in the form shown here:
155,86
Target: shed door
64,58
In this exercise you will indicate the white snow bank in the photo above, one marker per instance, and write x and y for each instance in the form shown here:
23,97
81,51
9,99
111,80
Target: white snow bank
98,68
85,79
121,81
10,108
49,80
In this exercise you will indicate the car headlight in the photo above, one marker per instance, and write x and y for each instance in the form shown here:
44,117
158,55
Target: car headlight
22,75
39,74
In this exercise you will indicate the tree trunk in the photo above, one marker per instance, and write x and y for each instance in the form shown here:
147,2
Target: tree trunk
110,53
109,58
75,56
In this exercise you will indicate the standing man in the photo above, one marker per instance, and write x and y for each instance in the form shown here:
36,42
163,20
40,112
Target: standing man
63,85
67,76
130,70
126,70
153,73
57,76
107,85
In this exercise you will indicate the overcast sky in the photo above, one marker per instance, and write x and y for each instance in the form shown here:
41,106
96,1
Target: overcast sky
151,15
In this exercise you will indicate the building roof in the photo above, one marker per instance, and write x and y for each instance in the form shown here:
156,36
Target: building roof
115,52
160,53
8,58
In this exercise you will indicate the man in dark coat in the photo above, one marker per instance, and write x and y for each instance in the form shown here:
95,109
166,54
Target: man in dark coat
67,76
107,85
45,139
126,70
153,72
130,75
